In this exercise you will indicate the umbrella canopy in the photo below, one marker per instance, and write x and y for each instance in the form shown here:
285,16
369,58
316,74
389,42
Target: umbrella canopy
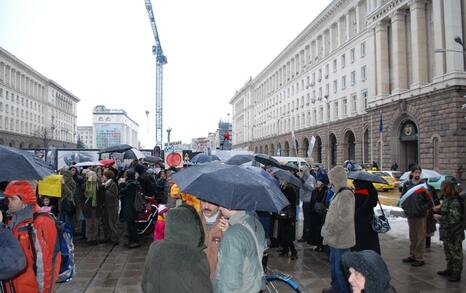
203,158
266,160
152,159
232,187
426,174
239,159
88,164
133,154
121,148
21,165
289,167
287,176
107,162
261,172
365,176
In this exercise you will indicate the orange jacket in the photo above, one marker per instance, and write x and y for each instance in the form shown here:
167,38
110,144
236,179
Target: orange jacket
47,264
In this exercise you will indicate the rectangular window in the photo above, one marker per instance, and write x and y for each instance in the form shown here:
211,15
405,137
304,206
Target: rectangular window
363,73
365,99
343,82
354,104
7,96
334,65
335,85
326,70
327,89
335,112
353,77
343,61
320,93
352,55
363,49
345,106
1,93
313,78
320,74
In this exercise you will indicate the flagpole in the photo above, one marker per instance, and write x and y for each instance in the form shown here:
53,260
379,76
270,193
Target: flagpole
381,140
372,152
363,141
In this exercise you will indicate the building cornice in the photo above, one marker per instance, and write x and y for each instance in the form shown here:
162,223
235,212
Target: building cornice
385,11
24,65
59,87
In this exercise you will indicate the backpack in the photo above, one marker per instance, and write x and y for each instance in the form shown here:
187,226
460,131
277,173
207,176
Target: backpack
63,245
139,201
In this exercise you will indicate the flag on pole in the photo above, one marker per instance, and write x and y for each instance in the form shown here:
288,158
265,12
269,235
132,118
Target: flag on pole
381,123
293,139
311,146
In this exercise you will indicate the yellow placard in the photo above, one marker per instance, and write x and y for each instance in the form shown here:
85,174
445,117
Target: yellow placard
51,186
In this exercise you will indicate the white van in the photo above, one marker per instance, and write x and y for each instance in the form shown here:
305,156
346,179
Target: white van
300,162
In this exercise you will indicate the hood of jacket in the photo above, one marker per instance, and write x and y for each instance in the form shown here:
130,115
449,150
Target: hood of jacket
183,226
372,267
337,177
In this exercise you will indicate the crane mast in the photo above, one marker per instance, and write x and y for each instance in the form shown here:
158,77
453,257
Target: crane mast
160,60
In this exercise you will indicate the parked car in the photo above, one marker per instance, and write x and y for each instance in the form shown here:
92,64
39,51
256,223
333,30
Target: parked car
379,186
436,182
395,175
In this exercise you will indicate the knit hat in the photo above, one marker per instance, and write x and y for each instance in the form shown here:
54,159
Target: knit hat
371,266
322,177
23,189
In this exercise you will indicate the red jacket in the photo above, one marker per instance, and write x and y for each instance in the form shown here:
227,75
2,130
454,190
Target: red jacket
47,258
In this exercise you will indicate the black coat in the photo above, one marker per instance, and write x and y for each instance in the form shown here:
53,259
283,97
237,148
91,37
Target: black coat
128,192
317,219
287,225
365,199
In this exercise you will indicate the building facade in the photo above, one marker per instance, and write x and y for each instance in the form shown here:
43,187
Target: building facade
112,127
360,63
34,110
86,135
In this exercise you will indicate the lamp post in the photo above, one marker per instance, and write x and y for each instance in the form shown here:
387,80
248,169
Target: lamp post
328,131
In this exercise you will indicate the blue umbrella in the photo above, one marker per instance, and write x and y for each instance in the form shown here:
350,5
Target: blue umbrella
203,158
17,164
263,173
287,176
232,187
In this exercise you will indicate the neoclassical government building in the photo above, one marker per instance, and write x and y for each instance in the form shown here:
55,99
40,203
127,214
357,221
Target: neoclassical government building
357,63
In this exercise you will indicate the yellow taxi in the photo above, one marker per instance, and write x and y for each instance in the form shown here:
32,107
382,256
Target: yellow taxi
379,186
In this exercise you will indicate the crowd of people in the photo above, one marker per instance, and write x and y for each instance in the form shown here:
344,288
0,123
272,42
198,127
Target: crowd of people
205,247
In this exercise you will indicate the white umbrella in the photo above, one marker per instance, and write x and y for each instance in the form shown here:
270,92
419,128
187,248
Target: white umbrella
426,174
88,164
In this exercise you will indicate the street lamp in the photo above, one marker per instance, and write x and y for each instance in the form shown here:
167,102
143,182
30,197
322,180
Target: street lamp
328,131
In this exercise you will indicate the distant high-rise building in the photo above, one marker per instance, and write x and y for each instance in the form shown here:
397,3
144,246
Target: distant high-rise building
86,135
113,127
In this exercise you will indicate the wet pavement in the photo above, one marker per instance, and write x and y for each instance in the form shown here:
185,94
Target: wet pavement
106,268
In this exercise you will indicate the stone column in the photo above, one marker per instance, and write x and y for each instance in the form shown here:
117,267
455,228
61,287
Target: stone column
382,66
439,37
419,42
453,29
399,61
348,26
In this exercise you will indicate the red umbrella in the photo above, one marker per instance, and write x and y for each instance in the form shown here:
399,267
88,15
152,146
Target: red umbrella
107,162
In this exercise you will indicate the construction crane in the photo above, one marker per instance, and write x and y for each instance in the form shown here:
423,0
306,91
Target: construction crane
160,60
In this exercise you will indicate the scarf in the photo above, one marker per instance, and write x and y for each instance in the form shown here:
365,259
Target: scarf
91,192
21,216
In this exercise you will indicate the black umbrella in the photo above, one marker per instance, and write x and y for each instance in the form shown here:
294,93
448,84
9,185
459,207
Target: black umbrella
266,160
365,176
239,159
232,187
21,165
121,148
152,159
287,176
203,158
289,167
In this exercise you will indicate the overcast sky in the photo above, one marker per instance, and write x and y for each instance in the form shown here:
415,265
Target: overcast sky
101,51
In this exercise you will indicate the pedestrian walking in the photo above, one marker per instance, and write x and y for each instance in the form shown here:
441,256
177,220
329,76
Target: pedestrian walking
287,221
178,264
451,219
210,218
12,260
415,207
67,205
79,225
339,231
110,212
90,208
318,210
129,186
305,195
365,199
367,272
239,267
37,236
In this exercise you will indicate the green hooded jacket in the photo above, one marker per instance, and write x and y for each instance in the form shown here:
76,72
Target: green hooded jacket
178,263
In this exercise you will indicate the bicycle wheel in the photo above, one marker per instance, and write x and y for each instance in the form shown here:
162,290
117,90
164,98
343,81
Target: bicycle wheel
280,283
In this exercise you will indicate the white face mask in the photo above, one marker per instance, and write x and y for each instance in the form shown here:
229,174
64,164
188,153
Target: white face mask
157,170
